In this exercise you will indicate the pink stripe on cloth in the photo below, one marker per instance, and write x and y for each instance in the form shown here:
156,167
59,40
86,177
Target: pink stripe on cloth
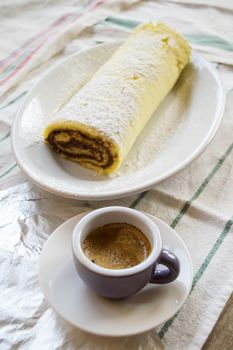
18,69
5,63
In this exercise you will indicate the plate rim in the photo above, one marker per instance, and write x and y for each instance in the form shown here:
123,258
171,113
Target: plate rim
187,292
130,190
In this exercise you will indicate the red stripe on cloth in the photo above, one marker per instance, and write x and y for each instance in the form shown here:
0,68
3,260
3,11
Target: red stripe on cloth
5,63
98,3
23,63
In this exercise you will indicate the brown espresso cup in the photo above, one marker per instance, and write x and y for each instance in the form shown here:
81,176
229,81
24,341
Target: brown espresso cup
122,283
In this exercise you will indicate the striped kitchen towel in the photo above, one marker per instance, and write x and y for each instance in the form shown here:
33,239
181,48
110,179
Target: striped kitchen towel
197,202
40,47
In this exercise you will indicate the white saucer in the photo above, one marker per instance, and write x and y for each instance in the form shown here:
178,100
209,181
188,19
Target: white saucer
177,133
76,303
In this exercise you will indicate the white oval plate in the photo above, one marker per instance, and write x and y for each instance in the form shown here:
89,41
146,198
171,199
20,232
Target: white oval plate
176,134
77,304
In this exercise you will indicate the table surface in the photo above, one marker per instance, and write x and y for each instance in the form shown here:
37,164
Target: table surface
221,336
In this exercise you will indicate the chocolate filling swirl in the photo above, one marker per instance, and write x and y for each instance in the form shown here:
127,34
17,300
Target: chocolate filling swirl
82,148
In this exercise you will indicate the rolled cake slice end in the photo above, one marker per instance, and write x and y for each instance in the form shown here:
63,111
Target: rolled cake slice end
101,122
83,144
170,38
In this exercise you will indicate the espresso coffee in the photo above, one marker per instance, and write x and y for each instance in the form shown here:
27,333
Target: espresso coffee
116,246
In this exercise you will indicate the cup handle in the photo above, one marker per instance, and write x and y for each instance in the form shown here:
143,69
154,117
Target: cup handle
172,270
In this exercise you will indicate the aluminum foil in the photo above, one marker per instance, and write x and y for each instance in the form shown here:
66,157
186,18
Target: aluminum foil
28,217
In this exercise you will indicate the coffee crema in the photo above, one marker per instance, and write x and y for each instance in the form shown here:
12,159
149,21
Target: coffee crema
116,246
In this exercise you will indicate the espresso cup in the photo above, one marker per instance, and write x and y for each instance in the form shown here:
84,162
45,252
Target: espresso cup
122,283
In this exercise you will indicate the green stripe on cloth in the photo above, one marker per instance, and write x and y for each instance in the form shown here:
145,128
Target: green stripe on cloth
11,67
209,40
8,170
201,270
200,39
138,200
123,22
202,186
212,252
200,189
14,100
6,136
182,212
20,61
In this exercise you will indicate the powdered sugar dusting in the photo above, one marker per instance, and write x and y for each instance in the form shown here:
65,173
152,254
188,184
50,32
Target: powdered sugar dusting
121,97
167,122
160,150
60,84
